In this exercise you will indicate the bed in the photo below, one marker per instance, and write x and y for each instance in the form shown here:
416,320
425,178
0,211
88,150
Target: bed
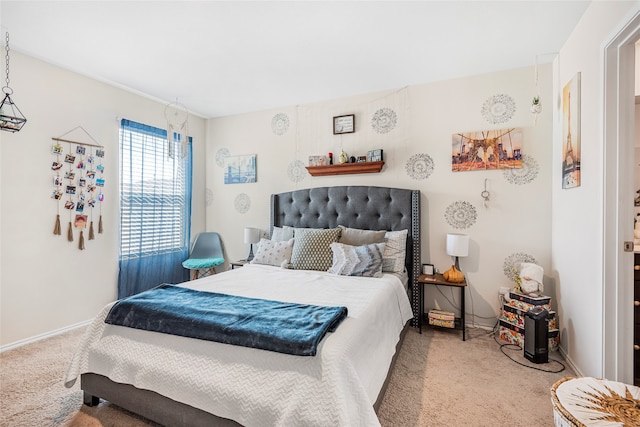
175,380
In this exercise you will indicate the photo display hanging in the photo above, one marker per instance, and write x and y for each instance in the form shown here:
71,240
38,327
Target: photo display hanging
78,184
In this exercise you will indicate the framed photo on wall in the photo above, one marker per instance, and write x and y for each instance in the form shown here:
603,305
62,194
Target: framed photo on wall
240,169
344,124
571,158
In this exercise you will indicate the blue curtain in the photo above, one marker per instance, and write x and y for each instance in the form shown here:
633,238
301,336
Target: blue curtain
155,209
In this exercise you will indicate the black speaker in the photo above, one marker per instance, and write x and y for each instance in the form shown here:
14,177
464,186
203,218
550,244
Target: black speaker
536,343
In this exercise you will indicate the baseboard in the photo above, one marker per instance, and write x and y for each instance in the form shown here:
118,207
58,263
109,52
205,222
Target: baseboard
570,362
44,336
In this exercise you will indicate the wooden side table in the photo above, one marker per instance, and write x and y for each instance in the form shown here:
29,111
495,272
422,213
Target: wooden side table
438,280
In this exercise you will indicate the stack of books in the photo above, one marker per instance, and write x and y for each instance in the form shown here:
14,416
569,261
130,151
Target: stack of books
445,319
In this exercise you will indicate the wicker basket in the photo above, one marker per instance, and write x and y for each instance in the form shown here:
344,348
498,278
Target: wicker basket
594,402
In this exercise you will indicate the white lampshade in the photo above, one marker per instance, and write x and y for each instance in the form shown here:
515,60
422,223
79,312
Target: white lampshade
251,235
457,244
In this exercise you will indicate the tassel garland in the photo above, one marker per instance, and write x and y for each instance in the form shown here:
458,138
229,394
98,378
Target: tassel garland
81,241
91,235
56,228
100,225
70,233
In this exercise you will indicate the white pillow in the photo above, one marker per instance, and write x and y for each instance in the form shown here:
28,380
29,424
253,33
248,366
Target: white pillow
273,253
281,234
394,251
364,260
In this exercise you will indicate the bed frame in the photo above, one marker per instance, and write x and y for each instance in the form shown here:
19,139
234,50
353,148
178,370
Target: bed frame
364,207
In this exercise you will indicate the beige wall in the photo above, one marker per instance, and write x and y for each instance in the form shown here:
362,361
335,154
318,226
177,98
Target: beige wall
517,219
46,282
577,214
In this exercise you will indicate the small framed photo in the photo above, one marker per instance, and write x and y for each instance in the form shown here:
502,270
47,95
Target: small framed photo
318,160
428,269
344,124
374,155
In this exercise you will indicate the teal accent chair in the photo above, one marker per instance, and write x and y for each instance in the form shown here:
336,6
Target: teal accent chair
206,254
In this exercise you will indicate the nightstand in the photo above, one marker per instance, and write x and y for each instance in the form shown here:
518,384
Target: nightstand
438,280
238,263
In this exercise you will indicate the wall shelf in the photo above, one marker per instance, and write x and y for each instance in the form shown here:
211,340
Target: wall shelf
345,169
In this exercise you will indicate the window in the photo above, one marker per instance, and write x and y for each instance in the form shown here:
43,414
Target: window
155,209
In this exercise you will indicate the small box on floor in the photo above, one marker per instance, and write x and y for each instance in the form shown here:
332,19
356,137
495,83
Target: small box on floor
445,319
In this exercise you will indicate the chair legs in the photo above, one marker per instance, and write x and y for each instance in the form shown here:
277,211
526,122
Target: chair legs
196,273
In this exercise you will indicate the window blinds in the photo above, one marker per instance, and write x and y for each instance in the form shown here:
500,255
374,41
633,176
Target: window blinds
155,193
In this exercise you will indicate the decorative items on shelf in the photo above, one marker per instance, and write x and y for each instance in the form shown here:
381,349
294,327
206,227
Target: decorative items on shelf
82,181
320,160
342,159
11,118
374,155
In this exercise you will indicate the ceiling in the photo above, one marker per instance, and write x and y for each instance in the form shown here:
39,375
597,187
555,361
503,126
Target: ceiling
220,58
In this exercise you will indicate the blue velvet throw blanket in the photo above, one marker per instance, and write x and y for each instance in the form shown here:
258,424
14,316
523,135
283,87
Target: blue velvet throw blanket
258,323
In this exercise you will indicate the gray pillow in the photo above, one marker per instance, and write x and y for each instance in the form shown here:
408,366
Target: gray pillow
312,248
364,260
395,251
357,237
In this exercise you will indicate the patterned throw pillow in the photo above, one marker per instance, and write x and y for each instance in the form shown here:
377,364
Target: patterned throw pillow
273,253
312,248
394,251
365,260
357,237
280,234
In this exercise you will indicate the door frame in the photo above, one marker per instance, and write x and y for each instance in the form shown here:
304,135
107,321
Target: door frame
618,174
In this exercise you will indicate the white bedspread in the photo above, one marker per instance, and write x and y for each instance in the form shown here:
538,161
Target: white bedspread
256,387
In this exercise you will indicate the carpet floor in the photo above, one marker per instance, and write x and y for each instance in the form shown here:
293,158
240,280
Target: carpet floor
439,380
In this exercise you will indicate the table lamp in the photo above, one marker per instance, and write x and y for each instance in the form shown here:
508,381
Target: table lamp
251,236
457,246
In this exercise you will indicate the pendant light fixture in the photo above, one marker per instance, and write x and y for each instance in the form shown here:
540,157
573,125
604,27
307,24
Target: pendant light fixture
11,118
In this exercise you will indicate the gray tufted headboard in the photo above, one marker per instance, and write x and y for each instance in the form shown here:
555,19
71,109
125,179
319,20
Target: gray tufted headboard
363,207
